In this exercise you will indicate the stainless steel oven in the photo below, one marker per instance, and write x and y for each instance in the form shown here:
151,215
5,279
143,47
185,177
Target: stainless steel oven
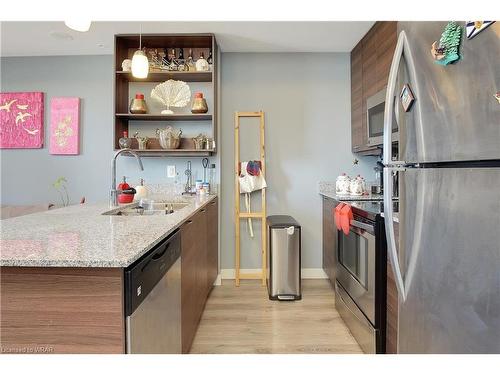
375,107
356,295
356,264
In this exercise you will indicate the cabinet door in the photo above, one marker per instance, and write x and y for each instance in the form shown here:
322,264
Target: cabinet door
201,259
188,284
386,38
357,141
212,243
329,238
370,64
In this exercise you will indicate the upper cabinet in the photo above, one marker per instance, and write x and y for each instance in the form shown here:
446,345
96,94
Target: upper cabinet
176,51
370,64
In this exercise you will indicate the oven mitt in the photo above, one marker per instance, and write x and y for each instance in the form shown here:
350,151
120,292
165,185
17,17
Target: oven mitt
345,218
337,216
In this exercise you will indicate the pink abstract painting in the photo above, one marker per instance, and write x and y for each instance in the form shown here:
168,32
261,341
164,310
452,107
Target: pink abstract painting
64,126
21,120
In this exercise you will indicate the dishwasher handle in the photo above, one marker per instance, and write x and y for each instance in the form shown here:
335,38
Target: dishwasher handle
143,275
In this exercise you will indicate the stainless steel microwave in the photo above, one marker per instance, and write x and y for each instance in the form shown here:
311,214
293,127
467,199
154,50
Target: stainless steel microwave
375,106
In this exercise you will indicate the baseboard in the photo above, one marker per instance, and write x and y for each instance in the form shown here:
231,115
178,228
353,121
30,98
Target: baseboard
218,280
307,273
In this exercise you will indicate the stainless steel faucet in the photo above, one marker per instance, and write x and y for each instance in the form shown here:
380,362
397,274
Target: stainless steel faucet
113,198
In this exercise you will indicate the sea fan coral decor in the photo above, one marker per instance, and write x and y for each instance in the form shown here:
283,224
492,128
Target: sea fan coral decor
172,94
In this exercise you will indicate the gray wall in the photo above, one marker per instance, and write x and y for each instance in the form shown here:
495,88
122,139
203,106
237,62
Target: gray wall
27,175
306,100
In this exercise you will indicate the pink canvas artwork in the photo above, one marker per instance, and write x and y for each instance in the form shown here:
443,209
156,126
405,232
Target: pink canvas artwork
21,119
64,126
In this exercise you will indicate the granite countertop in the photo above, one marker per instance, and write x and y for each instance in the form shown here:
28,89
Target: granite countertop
327,189
80,236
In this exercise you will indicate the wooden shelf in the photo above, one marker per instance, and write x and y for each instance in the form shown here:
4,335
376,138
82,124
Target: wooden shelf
179,152
124,47
165,76
153,117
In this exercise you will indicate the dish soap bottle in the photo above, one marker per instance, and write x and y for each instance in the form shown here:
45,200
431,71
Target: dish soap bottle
141,191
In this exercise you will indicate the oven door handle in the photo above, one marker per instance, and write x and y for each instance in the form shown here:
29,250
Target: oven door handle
361,225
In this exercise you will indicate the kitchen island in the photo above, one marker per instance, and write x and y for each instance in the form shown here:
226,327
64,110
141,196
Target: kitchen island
62,273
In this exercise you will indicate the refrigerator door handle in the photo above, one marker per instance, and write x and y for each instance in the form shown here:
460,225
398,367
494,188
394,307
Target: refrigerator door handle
390,97
389,231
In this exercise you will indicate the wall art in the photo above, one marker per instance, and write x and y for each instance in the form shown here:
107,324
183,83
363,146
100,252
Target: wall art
21,120
64,126
472,28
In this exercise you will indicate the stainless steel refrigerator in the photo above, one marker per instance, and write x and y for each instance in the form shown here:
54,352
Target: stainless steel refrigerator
446,259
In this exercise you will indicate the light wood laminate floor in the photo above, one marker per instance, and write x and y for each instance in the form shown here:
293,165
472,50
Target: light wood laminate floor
244,320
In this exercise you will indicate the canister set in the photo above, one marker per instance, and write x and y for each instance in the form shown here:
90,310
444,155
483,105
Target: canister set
345,185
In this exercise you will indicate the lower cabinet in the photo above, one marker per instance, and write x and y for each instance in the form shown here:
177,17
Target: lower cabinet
212,243
199,238
329,238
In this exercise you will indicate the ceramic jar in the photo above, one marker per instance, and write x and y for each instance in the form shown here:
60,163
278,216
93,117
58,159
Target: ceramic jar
138,104
199,104
202,64
342,184
357,186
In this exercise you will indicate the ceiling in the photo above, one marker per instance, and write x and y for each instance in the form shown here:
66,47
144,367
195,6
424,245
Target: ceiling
54,38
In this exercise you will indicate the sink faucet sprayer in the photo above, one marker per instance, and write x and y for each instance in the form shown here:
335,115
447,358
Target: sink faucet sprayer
113,198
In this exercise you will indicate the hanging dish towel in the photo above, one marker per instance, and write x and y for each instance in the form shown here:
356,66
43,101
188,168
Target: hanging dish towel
345,218
338,219
251,180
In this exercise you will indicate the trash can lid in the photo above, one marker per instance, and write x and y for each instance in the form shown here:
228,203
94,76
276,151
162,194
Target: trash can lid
282,221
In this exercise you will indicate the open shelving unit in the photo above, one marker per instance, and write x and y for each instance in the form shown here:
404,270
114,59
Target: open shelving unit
125,46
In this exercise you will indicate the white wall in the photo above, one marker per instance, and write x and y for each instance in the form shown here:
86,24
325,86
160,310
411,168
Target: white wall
306,100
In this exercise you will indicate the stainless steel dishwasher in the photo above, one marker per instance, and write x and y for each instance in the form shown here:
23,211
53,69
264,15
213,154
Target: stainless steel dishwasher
153,300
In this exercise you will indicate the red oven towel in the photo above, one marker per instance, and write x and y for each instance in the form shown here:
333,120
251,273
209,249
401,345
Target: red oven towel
337,216
345,218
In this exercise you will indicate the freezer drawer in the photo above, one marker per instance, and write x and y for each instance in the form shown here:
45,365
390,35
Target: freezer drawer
450,260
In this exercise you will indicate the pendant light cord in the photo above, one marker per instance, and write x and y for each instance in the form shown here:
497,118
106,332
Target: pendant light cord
140,37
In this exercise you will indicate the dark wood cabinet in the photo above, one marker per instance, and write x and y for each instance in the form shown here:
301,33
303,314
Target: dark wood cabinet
193,237
370,64
125,85
357,140
199,237
329,238
212,243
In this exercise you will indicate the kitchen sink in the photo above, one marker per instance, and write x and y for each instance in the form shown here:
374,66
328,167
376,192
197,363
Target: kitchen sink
156,209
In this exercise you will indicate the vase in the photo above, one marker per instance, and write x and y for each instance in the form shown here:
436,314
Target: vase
199,104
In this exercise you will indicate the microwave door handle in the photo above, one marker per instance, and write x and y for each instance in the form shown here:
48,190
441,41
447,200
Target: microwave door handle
389,230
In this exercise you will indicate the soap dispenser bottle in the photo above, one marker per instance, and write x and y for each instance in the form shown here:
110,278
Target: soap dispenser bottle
141,191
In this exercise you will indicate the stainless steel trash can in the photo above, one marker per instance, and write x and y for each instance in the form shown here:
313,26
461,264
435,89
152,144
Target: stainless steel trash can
283,258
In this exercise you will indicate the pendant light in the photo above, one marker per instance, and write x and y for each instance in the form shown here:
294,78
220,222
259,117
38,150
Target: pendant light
78,25
140,63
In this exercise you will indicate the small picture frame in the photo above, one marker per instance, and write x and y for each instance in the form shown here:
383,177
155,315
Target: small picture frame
406,97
